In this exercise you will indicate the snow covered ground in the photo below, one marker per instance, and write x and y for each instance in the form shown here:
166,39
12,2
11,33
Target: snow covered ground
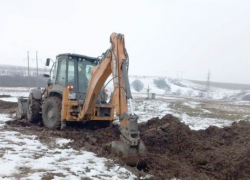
183,88
196,114
9,99
25,157
14,91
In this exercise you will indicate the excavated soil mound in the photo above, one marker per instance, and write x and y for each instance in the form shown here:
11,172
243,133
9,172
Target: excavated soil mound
214,153
7,107
173,149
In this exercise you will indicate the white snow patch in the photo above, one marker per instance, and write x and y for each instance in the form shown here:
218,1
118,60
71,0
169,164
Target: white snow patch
28,158
191,104
197,123
10,99
148,109
62,141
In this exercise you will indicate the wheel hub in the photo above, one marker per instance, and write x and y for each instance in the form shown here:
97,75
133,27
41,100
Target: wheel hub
51,114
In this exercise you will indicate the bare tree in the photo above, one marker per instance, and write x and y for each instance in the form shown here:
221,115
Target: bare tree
190,92
162,84
201,94
177,92
137,85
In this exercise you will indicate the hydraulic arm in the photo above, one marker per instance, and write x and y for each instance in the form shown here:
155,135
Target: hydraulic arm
115,62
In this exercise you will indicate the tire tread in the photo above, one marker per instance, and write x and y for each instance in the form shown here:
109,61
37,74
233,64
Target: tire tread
35,115
57,102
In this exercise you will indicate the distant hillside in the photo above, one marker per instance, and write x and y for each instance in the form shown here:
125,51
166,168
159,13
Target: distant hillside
10,70
233,86
22,81
17,76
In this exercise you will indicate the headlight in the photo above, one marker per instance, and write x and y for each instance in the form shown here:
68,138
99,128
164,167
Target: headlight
72,95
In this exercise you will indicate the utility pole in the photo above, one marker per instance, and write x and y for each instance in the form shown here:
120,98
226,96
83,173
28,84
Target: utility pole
208,83
148,91
36,70
28,70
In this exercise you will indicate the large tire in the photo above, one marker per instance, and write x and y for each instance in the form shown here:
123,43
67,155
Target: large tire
51,112
34,109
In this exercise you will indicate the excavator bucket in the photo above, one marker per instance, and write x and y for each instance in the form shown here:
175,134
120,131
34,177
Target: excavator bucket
131,155
130,148
22,107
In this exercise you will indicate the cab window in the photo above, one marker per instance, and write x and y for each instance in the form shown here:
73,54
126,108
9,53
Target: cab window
84,70
71,73
53,73
61,78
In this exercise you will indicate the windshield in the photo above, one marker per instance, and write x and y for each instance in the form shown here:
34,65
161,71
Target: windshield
84,70
71,73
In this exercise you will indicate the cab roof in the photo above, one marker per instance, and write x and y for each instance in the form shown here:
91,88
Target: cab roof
77,56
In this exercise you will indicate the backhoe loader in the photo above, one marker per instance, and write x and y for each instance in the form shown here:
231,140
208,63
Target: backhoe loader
74,92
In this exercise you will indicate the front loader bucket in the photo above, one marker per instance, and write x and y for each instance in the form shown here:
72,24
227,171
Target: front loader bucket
22,108
131,155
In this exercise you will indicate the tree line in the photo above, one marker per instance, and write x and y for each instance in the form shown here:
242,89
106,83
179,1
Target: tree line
11,70
22,81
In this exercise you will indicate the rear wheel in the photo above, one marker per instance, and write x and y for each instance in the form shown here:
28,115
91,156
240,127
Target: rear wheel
19,110
19,113
34,108
51,112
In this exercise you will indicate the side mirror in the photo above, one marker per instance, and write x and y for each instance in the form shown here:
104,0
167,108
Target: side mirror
47,61
46,75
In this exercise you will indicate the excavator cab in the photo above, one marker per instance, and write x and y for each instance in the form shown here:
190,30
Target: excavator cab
73,71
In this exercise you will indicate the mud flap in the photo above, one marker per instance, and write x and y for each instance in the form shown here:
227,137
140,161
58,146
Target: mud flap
22,107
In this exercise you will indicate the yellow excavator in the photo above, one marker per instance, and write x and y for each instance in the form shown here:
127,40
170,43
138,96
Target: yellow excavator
75,92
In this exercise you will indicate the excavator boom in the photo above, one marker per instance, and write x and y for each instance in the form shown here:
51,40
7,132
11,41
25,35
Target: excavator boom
115,62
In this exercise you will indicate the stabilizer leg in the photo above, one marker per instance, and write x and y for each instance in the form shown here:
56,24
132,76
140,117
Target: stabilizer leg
21,112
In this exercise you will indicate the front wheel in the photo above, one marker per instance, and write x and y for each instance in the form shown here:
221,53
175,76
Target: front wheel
51,112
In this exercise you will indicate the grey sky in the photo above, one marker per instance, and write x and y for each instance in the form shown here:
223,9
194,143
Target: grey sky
162,37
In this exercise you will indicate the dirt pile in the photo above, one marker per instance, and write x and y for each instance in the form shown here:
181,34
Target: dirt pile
173,149
214,153
7,107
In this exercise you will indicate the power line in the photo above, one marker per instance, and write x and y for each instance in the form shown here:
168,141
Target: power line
208,83
28,70
36,70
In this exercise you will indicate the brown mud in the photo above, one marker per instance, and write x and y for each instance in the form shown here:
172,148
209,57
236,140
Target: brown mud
7,107
173,149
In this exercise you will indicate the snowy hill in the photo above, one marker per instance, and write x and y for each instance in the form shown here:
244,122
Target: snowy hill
184,88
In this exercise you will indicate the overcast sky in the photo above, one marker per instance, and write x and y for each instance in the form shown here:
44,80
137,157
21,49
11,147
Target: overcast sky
165,37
